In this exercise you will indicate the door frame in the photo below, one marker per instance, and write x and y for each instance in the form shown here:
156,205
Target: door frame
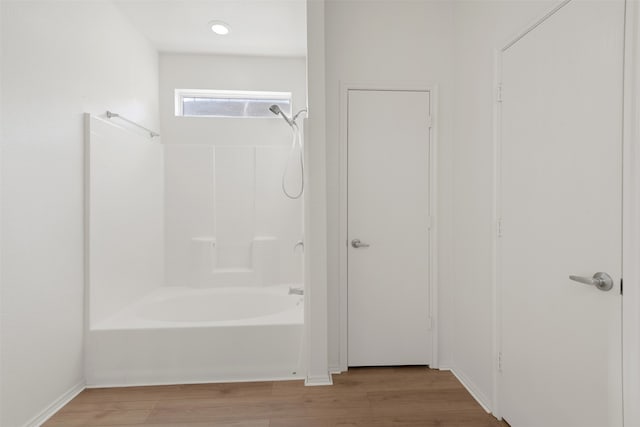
345,87
631,218
630,321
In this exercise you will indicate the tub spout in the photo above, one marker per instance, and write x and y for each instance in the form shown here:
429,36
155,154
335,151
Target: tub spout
295,291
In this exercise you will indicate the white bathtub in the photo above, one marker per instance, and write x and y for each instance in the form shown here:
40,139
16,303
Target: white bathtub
186,335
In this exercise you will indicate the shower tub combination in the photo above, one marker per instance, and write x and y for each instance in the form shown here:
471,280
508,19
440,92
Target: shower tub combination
200,294
186,335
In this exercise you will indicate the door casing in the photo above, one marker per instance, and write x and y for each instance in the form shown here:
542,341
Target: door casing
345,87
631,219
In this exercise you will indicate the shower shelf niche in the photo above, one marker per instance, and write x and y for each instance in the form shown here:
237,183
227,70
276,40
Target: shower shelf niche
263,270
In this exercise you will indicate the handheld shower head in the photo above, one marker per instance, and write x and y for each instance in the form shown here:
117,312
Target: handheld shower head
277,111
297,142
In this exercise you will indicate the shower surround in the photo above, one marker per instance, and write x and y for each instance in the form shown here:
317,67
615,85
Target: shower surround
199,224
228,222
231,239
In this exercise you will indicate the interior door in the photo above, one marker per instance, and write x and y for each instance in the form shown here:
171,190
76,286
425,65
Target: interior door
388,228
561,182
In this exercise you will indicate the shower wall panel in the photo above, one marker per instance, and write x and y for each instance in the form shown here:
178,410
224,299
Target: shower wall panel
190,217
228,222
125,241
277,215
235,195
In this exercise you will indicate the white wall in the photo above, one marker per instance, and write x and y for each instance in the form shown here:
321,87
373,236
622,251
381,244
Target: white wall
480,27
1,207
223,177
450,44
226,72
59,59
362,46
316,303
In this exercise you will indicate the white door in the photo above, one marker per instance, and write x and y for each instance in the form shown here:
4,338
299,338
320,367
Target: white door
561,182
388,213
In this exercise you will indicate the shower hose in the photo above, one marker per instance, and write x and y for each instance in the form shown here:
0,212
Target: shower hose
296,143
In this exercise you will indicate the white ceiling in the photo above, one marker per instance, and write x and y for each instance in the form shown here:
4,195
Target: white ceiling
258,27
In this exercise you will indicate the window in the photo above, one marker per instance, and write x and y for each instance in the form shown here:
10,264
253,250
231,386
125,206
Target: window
229,103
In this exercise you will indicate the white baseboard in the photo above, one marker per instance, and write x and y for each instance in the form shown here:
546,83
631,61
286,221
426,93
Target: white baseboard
56,405
212,380
473,390
335,370
318,381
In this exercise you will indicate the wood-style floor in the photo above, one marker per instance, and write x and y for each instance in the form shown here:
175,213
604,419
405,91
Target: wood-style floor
369,397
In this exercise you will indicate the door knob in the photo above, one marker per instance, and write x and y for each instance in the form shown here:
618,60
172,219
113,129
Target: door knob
356,243
600,280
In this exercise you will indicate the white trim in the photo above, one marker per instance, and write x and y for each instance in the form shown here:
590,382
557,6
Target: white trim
318,381
433,232
203,380
535,25
338,369
631,221
55,406
86,272
473,390
2,148
233,94
342,229
345,87
315,202
495,249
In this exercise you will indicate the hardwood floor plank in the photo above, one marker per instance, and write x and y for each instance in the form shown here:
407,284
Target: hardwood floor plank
425,398
189,391
245,423
97,418
300,422
345,399
386,379
361,397
219,413
108,406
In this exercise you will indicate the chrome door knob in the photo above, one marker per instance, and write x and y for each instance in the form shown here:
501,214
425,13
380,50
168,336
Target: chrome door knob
600,280
356,243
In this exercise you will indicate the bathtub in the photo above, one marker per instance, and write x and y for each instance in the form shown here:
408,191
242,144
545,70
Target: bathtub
178,335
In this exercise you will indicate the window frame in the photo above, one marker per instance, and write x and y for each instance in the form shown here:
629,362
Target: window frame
181,94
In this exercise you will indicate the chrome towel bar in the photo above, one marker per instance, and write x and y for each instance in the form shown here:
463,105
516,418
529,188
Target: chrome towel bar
111,115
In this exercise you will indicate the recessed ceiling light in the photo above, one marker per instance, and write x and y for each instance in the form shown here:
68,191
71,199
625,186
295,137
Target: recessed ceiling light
219,27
